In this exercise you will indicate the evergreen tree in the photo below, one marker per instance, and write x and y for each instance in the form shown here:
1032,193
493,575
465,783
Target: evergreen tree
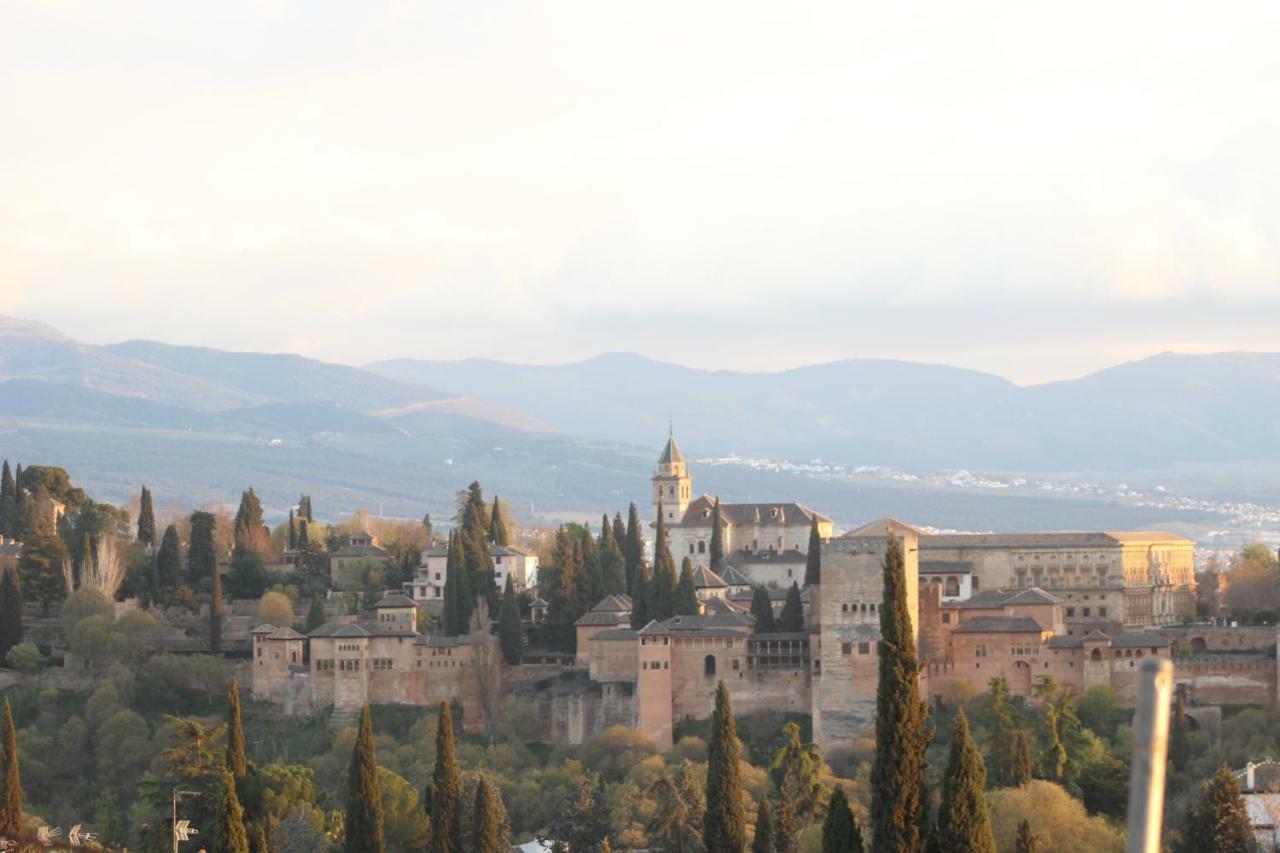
498,525
146,519
303,538
315,614
763,842
458,601
8,503
964,823
640,600
304,508
791,619
11,791
486,826
897,773
686,596
762,609
583,822
229,835
795,770
613,566
1218,822
247,577
169,559
1025,841
633,550
446,790
215,613
1003,742
813,559
1021,759
10,611
293,532
1179,735
724,827
40,570
591,572
717,536
248,529
620,539
202,554
235,732
364,799
841,832
510,628
786,830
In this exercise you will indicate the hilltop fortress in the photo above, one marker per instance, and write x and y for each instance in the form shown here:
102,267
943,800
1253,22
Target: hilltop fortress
1083,608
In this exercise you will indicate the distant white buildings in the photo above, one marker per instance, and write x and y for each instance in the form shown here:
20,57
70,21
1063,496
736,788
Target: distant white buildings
430,577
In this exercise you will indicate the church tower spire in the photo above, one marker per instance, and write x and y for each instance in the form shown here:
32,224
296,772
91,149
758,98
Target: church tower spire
672,485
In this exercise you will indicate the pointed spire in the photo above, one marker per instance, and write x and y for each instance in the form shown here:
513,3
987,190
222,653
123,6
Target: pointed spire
671,453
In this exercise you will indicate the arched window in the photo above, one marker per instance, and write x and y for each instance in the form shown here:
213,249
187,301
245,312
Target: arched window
1095,655
952,587
709,666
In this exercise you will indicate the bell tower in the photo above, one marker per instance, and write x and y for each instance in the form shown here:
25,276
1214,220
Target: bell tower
672,485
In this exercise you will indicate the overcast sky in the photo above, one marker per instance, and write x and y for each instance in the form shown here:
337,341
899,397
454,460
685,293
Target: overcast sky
1034,189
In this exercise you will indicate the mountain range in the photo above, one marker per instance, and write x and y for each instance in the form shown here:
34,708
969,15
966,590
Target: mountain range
560,441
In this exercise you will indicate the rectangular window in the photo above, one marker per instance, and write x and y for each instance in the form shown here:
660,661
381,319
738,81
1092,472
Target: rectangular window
864,648
946,618
1086,611
1071,611
846,648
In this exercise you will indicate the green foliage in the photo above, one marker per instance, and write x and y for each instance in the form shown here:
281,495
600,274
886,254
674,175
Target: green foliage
1058,819
25,658
791,619
11,792
662,590
763,840
202,554
612,563
1218,821
458,598
1021,759
724,827
169,559
510,628
498,525
10,608
583,821
1025,840
963,820
235,731
446,789
229,833
841,832
633,551
315,614
40,570
248,577
487,820
762,609
146,518
717,536
8,503
686,594
813,558
364,801
681,805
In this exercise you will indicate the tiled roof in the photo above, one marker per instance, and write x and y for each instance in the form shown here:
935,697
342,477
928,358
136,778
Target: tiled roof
616,603
717,624
603,617
716,604
1000,625
945,567
733,577
704,578
264,629
748,558
1065,642
698,513
434,640
1139,639
359,551
881,528
286,634
349,631
615,634
1081,539
396,599
992,598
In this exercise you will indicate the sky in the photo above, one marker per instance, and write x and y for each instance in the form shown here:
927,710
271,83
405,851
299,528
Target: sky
1038,190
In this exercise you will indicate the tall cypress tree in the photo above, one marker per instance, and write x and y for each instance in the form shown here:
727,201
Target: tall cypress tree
620,538
235,731
897,774
303,538
1025,841
510,628
841,832
763,842
613,566
791,619
169,559
446,790
813,559
1021,759
498,525
202,554
229,835
11,792
458,599
215,612
10,611
486,820
315,614
686,595
964,823
662,590
633,550
762,609
640,600
717,536
724,825
8,503
146,518
248,518
1218,821
293,532
364,799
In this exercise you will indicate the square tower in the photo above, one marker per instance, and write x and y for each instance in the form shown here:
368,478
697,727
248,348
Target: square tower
672,485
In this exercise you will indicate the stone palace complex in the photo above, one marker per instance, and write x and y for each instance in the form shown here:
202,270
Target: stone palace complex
1084,608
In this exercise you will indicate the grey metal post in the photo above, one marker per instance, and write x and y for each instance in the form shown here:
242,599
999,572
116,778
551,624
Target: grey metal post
1150,747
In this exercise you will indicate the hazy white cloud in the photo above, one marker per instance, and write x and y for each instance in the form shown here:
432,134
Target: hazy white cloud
1028,189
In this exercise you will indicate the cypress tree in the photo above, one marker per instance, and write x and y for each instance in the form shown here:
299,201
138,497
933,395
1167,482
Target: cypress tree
763,842
813,559
786,829
1179,731
841,832
510,628
169,559
293,532
146,518
897,773
364,799
40,570
640,600
498,525
724,825
303,539
235,732
458,601
717,536
446,790
964,823
11,792
686,595
315,614
1218,822
248,518
229,834
486,822
1021,759
612,563
215,612
620,537
762,609
8,502
202,554
10,611
634,550
662,589
1025,841
791,619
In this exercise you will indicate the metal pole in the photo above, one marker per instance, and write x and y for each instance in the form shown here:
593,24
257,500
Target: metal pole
1150,746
